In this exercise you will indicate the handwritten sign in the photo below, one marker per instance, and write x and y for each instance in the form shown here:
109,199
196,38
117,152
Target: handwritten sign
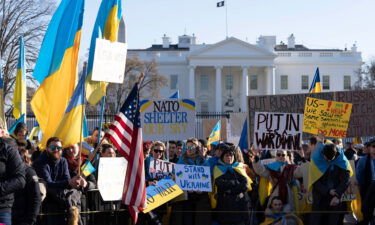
160,169
109,61
164,191
278,131
168,119
110,185
193,178
361,124
329,118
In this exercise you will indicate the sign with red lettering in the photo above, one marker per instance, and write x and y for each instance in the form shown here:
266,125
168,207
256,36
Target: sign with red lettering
329,118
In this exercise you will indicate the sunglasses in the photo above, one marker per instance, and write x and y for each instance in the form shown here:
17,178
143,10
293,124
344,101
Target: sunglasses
54,148
280,155
158,151
190,148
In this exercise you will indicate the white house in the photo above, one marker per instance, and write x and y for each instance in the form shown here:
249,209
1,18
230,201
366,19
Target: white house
220,76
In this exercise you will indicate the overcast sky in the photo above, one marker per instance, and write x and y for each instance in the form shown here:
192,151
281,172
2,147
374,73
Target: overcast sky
315,23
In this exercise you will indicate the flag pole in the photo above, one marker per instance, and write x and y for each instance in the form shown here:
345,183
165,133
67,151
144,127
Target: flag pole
102,104
226,17
82,118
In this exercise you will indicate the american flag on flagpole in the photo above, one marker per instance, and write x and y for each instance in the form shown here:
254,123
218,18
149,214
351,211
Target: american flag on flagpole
126,134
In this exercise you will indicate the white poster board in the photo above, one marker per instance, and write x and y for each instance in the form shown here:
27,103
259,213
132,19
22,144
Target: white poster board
278,131
168,119
193,178
111,177
109,61
160,169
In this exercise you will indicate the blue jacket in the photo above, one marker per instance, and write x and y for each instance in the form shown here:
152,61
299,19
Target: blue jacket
54,173
360,170
198,161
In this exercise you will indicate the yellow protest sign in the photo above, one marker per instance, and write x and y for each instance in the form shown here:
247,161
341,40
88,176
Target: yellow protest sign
329,118
164,191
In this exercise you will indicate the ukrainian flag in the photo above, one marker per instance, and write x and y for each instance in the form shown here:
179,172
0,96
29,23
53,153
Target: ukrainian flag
106,27
87,168
56,67
19,95
215,134
315,85
318,165
3,122
35,131
70,128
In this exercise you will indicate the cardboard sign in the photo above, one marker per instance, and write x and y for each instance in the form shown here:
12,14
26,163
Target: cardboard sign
109,61
329,118
361,124
160,169
193,178
111,177
278,131
168,119
164,191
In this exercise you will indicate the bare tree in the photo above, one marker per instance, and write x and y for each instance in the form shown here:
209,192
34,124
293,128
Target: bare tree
150,86
26,18
366,77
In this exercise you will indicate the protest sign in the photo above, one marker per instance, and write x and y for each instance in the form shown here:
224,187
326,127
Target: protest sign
193,178
160,169
278,131
361,124
164,191
168,119
329,118
111,177
109,61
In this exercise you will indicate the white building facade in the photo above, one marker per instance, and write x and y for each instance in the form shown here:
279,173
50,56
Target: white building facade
220,76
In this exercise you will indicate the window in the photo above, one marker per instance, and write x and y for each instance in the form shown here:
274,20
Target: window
325,82
204,106
174,82
347,84
305,82
229,82
204,82
284,82
253,82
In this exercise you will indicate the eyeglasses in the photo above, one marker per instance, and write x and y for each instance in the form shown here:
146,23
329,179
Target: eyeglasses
158,151
280,155
190,148
54,148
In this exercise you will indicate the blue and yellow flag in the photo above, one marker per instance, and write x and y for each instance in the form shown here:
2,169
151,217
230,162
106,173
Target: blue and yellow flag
19,95
215,134
106,27
3,122
56,67
176,95
36,132
315,85
87,168
318,165
19,120
70,128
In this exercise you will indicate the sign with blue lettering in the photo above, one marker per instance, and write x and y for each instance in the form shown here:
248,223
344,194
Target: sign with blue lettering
193,178
168,119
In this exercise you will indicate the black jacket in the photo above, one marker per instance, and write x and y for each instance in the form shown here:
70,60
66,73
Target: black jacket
27,201
232,197
12,173
335,178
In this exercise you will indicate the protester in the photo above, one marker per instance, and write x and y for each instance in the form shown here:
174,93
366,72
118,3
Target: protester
157,152
231,183
12,173
178,151
203,148
275,211
54,170
107,151
195,210
282,176
329,173
20,132
216,154
27,201
172,149
365,174
146,148
93,139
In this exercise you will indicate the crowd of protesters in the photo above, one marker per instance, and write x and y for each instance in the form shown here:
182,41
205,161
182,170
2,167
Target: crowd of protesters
250,186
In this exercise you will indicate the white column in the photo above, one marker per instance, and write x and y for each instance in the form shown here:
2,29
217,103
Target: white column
218,93
192,82
244,88
270,87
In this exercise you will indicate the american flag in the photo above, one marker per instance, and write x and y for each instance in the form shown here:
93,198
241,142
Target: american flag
126,134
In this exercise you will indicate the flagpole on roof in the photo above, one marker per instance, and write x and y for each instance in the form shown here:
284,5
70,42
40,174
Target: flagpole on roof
226,17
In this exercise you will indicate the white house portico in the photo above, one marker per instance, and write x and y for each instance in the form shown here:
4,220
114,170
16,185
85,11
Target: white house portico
220,76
